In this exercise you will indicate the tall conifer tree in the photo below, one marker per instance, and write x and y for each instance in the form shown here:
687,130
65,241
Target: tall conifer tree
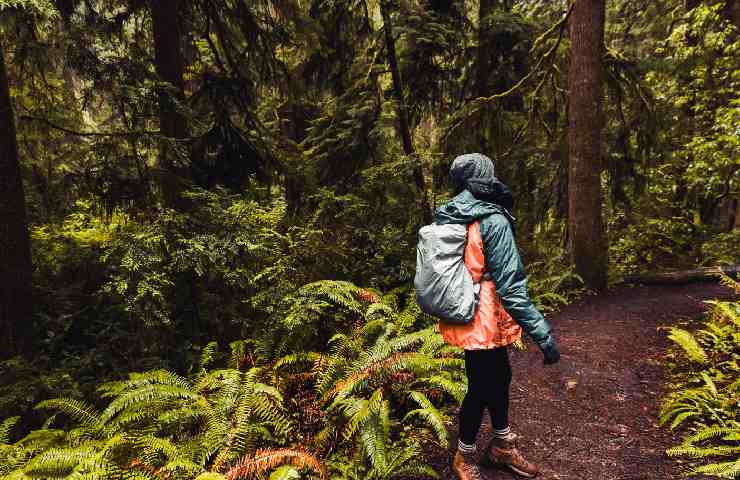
586,79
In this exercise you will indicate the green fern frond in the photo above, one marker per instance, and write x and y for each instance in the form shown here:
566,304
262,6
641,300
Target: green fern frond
238,352
405,462
208,356
6,427
379,311
184,417
730,469
701,452
711,431
726,312
374,435
77,410
144,394
340,293
294,359
429,414
136,380
286,472
59,463
456,389
210,476
688,343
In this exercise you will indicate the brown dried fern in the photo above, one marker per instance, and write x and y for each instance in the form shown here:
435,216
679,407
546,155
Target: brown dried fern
388,365
267,459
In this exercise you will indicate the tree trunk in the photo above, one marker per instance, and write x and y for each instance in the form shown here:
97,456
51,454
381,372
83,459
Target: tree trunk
483,76
732,12
390,45
483,70
16,307
403,117
585,80
170,68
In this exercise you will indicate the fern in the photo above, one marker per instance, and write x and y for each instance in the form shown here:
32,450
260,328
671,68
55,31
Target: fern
730,282
77,410
689,344
6,426
263,460
431,415
161,425
286,472
704,398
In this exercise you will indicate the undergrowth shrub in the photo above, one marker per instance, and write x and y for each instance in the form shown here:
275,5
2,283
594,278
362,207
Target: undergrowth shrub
704,396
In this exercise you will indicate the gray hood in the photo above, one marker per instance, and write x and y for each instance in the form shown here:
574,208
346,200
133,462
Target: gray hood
481,193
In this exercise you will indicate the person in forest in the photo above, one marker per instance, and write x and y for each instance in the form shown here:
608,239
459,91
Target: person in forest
504,310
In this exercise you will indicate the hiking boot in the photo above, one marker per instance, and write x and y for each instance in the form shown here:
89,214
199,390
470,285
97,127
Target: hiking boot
502,453
465,466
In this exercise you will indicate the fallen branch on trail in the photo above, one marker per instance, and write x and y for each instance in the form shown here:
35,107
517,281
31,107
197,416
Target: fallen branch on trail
683,276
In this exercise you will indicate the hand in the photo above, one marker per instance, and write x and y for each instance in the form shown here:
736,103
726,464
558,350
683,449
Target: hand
551,353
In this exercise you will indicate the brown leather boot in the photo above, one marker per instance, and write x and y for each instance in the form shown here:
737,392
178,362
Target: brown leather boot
503,453
465,466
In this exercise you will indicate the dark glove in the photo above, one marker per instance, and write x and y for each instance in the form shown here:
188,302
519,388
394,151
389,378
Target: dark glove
551,352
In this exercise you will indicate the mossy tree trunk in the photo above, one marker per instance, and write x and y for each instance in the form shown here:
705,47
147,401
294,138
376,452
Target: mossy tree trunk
732,12
402,112
170,68
483,71
586,80
16,307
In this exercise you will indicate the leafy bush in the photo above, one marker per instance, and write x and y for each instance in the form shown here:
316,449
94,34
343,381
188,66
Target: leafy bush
704,398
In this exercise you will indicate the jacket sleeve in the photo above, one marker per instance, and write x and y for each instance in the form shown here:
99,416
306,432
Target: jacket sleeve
506,268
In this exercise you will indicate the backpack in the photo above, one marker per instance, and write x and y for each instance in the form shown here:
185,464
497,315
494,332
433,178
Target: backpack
444,285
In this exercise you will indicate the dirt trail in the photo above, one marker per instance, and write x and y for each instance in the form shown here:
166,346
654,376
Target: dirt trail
593,416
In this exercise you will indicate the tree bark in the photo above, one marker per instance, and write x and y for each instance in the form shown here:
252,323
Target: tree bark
16,307
403,117
732,13
170,68
585,80
390,45
483,70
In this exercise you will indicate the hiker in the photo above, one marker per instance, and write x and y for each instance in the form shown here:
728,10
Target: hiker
484,203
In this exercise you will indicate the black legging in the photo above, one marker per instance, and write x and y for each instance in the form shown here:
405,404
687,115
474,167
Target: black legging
489,376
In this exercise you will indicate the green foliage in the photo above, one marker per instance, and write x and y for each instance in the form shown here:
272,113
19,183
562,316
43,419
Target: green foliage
221,421
372,377
703,398
682,212
554,282
383,385
296,189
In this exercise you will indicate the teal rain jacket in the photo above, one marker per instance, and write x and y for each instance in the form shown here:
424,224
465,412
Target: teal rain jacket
502,257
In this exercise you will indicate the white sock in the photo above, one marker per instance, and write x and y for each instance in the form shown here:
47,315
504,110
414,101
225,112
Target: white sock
465,448
502,434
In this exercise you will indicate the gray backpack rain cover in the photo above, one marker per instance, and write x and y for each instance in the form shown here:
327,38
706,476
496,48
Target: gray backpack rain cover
444,286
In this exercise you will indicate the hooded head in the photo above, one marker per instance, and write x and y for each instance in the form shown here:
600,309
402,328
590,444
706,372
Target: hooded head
479,192
475,172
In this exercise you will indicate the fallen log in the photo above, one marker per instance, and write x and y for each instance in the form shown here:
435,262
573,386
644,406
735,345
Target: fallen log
703,274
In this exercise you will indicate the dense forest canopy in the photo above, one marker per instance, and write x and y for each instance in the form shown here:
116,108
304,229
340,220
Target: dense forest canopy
254,173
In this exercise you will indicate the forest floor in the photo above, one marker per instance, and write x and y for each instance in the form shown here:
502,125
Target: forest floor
594,415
